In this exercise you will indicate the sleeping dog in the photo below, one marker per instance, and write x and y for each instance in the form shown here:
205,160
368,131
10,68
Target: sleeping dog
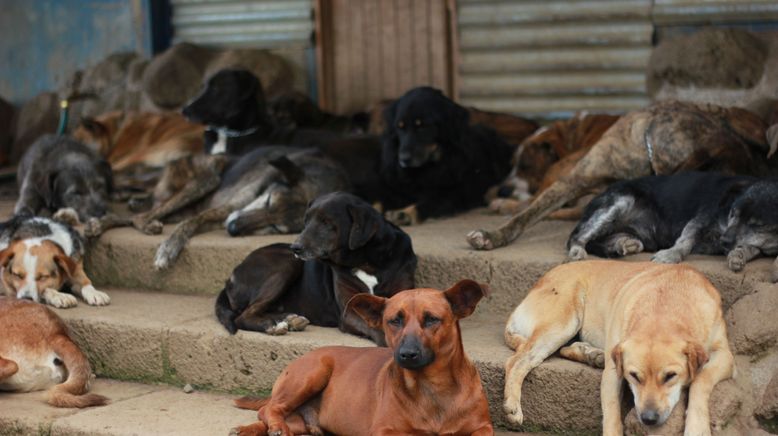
37,353
436,163
345,248
40,256
705,213
57,172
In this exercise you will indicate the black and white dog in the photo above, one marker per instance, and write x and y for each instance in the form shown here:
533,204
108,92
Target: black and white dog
695,212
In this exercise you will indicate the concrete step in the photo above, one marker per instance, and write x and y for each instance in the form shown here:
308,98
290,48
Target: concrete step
175,339
135,409
124,258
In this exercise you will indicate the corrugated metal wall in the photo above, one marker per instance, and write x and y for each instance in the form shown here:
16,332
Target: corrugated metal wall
674,12
554,57
283,26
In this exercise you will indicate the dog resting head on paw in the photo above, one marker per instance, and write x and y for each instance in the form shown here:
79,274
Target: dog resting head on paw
752,220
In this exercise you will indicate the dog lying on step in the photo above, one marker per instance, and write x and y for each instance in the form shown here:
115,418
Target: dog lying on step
423,384
345,248
41,256
659,327
36,353
665,138
705,213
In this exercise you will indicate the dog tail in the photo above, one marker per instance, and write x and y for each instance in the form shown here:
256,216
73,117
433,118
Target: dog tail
224,312
73,392
251,403
171,248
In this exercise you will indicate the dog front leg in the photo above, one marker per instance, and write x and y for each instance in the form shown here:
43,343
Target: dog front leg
610,398
683,245
30,202
171,248
94,227
740,256
82,286
719,367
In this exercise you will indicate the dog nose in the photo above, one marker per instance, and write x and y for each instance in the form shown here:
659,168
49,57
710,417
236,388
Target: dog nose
649,417
296,248
232,228
409,356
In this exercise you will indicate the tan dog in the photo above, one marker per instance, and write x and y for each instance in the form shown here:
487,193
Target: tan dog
36,353
660,327
423,384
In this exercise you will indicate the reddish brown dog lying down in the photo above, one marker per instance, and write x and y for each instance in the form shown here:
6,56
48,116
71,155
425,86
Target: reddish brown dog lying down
36,353
422,384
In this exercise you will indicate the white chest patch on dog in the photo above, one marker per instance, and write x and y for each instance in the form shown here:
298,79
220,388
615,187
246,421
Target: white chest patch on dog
369,280
220,147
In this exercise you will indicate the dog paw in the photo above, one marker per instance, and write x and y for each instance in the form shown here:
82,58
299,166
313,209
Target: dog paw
627,246
480,240
153,227
67,215
296,323
513,412
403,217
279,329
164,257
736,260
60,300
576,252
93,228
93,297
667,256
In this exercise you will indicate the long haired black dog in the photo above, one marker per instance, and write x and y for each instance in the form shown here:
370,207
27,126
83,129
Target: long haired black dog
695,212
434,162
345,248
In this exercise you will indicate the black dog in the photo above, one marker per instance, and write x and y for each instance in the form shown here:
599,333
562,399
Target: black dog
434,160
57,172
704,213
345,248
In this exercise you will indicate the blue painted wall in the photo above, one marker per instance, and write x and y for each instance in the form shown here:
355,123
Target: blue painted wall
42,42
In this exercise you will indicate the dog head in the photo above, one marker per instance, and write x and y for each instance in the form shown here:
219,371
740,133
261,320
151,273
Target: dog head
752,221
83,185
32,265
421,325
230,99
337,224
421,125
657,369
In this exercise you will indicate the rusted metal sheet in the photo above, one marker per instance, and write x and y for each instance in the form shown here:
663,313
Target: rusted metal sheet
675,12
257,24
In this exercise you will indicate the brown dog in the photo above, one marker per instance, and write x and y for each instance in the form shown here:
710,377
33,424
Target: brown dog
36,353
422,384
659,327
665,138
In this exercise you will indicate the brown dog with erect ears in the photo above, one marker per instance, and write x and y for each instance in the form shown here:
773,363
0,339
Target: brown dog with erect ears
657,326
422,384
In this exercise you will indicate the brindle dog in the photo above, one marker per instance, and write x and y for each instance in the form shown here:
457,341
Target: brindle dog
665,138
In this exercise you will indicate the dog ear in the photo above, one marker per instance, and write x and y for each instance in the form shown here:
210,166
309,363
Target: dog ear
369,307
464,296
66,264
364,226
616,355
696,357
6,256
291,172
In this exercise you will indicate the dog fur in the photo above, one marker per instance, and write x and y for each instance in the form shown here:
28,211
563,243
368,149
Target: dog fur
36,353
433,161
658,327
422,384
705,213
40,256
58,172
664,138
345,248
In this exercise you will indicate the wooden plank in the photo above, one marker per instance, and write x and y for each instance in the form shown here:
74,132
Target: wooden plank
390,64
453,49
404,20
324,53
341,30
372,49
438,61
356,56
421,42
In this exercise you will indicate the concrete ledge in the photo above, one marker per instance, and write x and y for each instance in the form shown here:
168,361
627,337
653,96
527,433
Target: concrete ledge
124,257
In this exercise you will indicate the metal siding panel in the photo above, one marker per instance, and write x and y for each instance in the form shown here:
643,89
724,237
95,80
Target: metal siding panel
667,12
258,24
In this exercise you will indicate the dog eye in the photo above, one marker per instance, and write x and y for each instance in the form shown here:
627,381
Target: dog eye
669,376
397,321
430,321
17,275
418,122
401,125
634,375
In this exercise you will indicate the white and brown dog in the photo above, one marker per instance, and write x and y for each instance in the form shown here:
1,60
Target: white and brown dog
40,256
660,327
36,353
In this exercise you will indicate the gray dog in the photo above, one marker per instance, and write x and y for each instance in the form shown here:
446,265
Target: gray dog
57,172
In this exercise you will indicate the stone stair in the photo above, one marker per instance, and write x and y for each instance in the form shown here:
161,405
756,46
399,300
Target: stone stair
160,332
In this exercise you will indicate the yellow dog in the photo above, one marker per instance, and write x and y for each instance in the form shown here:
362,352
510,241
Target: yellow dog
658,326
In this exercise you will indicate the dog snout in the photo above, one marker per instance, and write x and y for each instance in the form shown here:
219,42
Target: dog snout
410,354
405,159
649,417
297,249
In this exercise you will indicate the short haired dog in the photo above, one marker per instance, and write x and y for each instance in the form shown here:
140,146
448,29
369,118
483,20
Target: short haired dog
659,327
665,138
705,213
37,353
422,384
57,172
345,248
41,256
